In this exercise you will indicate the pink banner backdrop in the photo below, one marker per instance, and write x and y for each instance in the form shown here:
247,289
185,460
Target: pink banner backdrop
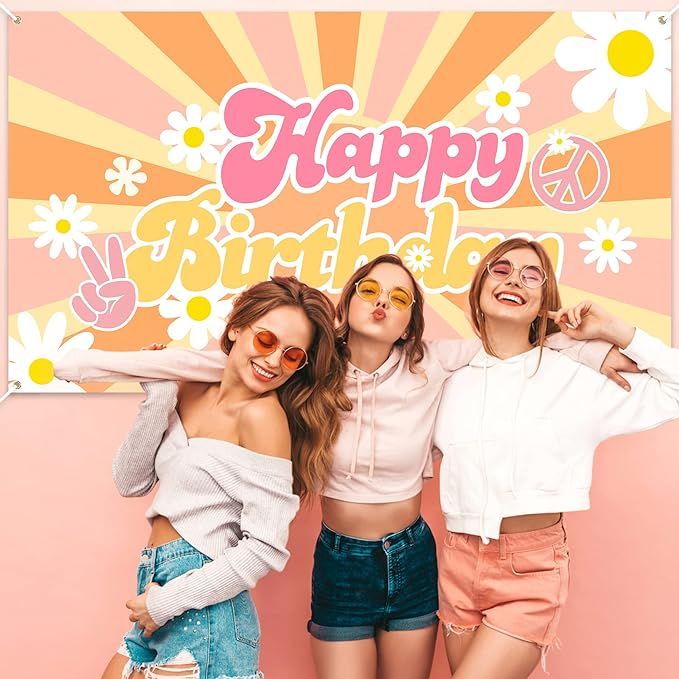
115,122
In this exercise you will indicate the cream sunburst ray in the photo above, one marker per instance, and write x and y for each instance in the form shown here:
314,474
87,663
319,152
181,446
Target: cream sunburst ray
369,37
43,313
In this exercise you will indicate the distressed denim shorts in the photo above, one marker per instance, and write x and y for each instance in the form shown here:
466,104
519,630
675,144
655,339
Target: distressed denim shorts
221,641
359,585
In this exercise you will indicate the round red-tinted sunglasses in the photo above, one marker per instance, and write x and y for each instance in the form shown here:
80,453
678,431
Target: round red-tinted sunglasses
266,343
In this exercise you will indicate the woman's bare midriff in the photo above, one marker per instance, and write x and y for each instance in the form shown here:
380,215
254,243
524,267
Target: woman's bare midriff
370,521
162,532
523,524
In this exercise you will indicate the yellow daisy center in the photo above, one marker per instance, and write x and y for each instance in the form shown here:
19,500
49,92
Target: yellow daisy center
198,308
63,226
559,140
41,371
607,245
194,137
503,98
630,53
418,258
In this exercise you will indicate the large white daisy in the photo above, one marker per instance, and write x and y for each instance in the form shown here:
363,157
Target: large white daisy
32,356
63,226
193,137
197,314
608,245
629,54
503,99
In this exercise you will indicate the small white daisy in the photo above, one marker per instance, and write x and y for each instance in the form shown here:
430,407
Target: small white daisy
560,142
197,314
32,356
418,258
608,245
628,54
503,99
126,176
194,137
63,226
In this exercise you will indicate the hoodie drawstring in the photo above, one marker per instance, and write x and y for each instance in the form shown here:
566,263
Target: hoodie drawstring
359,423
482,531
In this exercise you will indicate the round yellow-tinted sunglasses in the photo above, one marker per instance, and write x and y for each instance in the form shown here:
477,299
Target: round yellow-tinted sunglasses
399,297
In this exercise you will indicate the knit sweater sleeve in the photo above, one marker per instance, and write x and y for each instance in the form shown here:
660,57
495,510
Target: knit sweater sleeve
134,464
268,507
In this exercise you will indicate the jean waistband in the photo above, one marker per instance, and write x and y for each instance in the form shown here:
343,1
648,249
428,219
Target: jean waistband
406,536
170,550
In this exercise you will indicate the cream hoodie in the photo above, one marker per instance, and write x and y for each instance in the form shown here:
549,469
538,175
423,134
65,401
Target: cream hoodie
517,439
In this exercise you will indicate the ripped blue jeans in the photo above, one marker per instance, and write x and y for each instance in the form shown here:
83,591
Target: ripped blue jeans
217,642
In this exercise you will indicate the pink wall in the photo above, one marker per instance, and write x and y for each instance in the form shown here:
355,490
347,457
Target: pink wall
70,543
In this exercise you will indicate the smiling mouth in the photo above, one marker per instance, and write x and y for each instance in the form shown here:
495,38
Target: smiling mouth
261,373
510,299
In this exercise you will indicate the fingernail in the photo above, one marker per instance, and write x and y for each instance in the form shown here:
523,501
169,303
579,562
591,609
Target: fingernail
627,387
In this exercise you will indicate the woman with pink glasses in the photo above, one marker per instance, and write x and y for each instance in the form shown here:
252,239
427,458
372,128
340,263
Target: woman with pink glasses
518,428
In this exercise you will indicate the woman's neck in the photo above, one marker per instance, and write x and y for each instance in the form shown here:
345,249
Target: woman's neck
506,339
367,354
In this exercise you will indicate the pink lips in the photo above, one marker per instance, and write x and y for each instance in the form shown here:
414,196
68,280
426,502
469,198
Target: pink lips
379,314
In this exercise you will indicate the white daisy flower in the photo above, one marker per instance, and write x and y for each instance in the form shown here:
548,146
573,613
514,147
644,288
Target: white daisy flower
628,54
125,176
503,99
560,142
32,356
418,258
197,314
63,226
608,245
194,137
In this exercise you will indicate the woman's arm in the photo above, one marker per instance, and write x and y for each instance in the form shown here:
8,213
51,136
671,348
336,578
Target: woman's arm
95,365
134,464
268,508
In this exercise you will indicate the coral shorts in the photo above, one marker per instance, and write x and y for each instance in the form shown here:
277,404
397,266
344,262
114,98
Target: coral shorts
516,585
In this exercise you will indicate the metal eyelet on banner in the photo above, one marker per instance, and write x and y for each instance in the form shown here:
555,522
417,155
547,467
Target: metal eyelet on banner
668,17
16,386
16,19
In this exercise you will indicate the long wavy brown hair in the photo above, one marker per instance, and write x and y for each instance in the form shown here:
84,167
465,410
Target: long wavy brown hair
541,326
313,396
413,345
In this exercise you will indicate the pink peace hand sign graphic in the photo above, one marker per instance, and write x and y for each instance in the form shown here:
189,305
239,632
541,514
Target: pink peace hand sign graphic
108,299
562,189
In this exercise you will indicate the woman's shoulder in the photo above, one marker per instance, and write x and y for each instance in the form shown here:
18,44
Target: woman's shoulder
264,427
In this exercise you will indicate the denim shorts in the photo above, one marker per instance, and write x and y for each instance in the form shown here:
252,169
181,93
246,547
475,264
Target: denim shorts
222,639
359,585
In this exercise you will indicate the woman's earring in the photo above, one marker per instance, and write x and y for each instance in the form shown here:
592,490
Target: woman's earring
404,336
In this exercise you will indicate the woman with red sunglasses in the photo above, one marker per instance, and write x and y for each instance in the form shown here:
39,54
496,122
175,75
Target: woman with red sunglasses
228,486
374,584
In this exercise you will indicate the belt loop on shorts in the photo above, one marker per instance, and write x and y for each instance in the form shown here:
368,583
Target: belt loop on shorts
503,547
409,535
563,528
338,539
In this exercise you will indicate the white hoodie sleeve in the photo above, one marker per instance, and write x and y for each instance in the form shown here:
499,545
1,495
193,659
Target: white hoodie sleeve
452,354
95,365
654,397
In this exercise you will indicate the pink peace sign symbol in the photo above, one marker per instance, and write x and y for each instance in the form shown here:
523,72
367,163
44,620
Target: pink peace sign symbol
566,180
108,299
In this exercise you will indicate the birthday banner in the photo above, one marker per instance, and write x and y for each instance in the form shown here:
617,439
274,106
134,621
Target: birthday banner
159,163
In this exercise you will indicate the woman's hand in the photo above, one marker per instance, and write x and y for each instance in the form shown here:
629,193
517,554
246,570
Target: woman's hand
154,347
140,613
588,320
